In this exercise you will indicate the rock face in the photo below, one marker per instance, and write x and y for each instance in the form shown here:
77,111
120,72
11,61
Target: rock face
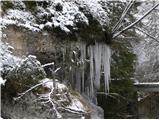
22,76
29,67
26,42
47,48
60,36
73,54
46,102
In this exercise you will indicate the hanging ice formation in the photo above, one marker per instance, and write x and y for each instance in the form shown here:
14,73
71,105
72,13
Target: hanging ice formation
99,62
86,66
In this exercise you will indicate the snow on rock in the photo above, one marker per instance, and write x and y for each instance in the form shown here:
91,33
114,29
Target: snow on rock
95,8
2,82
19,18
58,13
62,97
15,68
76,105
49,84
28,69
67,15
7,59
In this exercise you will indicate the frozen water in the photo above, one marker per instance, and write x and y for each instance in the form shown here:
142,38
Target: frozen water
99,55
106,53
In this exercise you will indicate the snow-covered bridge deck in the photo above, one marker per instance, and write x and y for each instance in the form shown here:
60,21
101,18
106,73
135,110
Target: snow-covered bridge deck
147,87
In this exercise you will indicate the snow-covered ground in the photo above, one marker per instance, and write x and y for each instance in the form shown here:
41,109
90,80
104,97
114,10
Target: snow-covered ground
75,104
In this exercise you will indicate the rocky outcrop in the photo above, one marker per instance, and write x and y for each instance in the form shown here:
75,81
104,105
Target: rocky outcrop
28,68
27,95
71,53
27,42
46,102
67,35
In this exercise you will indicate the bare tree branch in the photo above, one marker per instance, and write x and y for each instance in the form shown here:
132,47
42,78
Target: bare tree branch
146,34
131,25
116,27
30,89
48,64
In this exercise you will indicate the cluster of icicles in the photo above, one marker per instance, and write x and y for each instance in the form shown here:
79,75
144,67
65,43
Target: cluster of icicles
99,62
86,66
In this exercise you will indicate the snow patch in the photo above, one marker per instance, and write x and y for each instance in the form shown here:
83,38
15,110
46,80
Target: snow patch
49,84
95,8
7,59
2,82
19,18
76,105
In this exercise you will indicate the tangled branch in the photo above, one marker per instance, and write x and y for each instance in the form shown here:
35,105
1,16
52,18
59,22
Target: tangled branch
131,25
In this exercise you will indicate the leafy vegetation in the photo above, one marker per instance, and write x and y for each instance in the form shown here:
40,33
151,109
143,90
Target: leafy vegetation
123,62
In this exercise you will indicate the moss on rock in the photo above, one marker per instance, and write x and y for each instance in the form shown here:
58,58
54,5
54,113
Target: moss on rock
26,74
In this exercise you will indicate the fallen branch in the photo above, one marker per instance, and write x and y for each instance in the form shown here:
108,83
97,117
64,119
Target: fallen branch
46,99
72,110
53,104
131,25
57,69
48,64
33,87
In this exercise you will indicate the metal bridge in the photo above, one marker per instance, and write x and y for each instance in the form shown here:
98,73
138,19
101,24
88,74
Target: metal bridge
147,87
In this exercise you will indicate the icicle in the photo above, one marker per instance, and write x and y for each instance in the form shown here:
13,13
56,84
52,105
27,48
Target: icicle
91,70
83,57
97,58
106,53
78,80
99,55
